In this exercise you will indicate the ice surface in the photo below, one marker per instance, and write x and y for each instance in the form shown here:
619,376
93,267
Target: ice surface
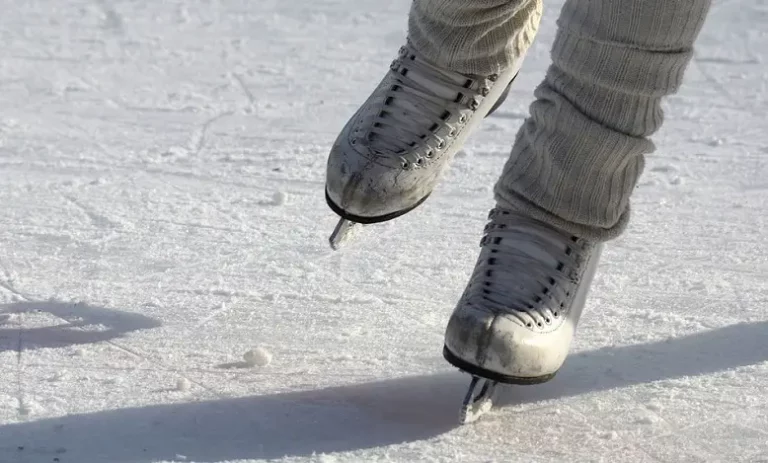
161,183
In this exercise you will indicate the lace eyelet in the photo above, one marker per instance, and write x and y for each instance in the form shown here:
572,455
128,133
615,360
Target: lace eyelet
405,165
493,77
452,133
441,145
548,320
420,162
474,104
429,154
485,91
462,119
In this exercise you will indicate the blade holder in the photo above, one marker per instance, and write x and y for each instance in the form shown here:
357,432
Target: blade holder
476,405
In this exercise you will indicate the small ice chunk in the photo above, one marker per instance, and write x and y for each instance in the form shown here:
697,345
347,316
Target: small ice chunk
653,406
648,420
716,142
59,376
259,357
183,384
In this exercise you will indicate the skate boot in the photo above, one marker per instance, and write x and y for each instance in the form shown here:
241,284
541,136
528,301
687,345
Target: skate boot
390,155
515,321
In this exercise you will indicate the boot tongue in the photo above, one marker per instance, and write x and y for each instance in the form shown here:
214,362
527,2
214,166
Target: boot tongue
419,75
539,254
534,249
434,85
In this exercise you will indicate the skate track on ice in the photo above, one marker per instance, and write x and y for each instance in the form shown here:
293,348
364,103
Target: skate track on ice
161,183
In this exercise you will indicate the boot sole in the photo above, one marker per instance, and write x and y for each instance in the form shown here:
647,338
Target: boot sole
474,370
369,220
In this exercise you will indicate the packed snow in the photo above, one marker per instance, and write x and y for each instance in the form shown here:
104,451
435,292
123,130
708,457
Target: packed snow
161,182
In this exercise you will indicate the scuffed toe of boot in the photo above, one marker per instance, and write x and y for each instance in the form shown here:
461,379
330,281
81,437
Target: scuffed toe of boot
503,348
366,189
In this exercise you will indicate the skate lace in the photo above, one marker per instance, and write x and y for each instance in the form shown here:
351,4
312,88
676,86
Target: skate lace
422,100
530,270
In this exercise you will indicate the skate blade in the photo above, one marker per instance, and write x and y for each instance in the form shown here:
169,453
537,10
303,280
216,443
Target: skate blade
345,230
477,405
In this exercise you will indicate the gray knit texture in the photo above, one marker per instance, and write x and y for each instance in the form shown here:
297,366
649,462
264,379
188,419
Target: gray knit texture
578,156
474,36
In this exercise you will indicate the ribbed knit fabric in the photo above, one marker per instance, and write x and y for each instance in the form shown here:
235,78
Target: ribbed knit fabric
577,158
474,36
